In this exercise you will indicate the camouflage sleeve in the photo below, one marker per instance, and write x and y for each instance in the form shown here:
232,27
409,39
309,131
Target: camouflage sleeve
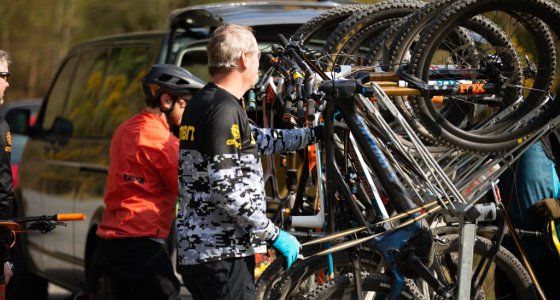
281,140
236,198
234,179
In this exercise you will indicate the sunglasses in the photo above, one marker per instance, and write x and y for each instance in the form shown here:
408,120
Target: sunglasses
5,75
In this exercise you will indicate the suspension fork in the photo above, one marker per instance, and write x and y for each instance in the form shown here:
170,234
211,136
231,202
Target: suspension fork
291,174
355,259
287,202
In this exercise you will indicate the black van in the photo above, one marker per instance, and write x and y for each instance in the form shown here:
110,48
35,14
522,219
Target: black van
65,162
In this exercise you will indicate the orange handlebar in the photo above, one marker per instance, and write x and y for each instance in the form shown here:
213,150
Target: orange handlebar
71,217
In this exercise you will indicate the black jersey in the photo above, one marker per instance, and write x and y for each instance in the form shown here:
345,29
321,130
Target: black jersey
221,184
7,195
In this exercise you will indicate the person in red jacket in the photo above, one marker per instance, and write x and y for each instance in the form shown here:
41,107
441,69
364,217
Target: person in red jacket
141,193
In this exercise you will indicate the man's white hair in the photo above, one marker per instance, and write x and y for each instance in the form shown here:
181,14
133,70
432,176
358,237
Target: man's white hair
226,45
4,57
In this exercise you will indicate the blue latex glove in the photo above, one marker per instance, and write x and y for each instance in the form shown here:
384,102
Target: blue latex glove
288,245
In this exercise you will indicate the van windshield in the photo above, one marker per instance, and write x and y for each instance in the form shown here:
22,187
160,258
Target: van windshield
189,47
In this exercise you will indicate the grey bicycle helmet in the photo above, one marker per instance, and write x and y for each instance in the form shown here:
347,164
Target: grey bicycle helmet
170,79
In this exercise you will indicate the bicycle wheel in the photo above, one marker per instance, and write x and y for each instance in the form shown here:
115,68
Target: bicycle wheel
349,30
311,274
494,129
376,284
485,35
320,27
402,40
507,278
356,51
400,43
306,275
460,43
269,277
467,53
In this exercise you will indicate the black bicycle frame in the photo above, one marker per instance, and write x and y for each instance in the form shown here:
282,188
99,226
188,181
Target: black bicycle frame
340,98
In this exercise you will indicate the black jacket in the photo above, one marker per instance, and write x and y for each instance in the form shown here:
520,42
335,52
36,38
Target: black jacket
7,195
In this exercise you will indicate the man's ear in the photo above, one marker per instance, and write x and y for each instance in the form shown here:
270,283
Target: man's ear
166,101
243,60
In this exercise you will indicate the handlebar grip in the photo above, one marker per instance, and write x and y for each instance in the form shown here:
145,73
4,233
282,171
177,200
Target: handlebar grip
273,61
71,217
299,95
283,40
276,48
299,62
288,103
311,110
300,113
270,60
251,101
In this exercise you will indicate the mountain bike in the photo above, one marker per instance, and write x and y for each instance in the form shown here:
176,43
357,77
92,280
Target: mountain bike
489,41
495,130
406,248
11,227
345,104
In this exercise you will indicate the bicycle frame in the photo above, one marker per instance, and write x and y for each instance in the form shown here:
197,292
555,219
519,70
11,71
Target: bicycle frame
340,95
389,246
361,133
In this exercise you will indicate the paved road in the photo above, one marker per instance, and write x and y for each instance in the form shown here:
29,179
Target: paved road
58,293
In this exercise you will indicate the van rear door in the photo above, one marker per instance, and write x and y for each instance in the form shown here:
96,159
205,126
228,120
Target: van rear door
55,166
120,97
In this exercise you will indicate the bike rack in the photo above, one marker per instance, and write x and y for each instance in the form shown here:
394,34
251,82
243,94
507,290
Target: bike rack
460,205
457,179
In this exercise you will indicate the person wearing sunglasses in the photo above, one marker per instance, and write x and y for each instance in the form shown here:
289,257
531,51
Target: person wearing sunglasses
7,195
4,74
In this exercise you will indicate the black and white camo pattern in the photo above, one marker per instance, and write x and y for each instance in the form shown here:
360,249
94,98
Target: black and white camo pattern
271,141
218,206
222,200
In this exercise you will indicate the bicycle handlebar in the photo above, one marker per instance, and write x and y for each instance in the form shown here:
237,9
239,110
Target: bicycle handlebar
297,58
71,217
291,49
56,217
43,224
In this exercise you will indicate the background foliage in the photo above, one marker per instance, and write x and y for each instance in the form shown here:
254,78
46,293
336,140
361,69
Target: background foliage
38,33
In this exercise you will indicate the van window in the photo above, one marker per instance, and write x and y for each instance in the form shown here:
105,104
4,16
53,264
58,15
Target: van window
121,92
84,90
197,63
195,59
59,92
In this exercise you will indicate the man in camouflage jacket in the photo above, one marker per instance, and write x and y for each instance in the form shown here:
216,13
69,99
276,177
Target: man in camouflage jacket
221,221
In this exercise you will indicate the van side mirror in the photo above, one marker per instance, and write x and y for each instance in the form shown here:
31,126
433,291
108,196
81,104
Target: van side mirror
18,120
